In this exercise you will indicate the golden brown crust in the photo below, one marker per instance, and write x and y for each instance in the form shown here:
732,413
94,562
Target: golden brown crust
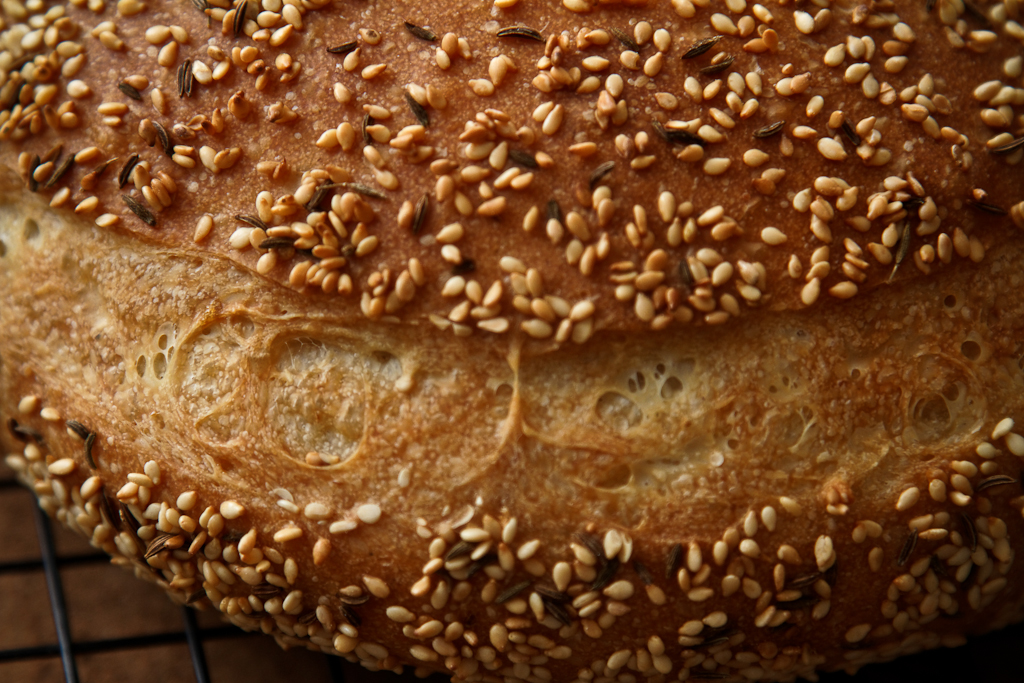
796,489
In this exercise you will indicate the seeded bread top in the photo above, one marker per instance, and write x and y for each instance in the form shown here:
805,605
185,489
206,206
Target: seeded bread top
548,168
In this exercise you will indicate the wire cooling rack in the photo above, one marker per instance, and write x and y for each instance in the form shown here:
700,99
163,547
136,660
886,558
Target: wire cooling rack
99,627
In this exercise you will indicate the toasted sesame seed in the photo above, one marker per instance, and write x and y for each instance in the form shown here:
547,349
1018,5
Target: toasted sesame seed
368,513
908,498
1002,428
62,467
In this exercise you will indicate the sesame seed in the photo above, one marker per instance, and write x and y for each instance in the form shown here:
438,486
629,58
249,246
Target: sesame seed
619,590
400,614
858,633
908,498
62,467
717,166
824,555
28,404
368,513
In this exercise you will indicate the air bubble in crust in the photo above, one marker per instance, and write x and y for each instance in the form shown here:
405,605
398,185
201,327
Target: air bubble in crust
671,388
31,230
159,365
618,412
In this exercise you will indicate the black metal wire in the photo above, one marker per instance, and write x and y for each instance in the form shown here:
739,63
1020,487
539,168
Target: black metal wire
195,646
56,591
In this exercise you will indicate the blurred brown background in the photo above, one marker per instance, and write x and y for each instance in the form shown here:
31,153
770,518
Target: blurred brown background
105,603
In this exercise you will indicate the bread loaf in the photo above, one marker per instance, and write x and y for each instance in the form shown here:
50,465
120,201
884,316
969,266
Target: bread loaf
546,341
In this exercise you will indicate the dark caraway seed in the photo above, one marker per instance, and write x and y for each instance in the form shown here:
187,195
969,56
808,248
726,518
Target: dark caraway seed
590,542
972,534
33,184
201,593
472,569
673,561
700,47
265,590
1011,146
185,78
904,247
555,211
420,214
157,544
936,564
418,111
717,68
319,195
557,611
913,203
276,243
53,154
241,13
251,220
467,265
626,39
126,171
364,190
129,91
139,210
675,136
165,138
552,594
511,592
23,433
458,550
600,172
523,158
367,122
607,573
685,274
908,548
769,130
986,207
997,480
521,32
344,48
90,440
59,172
851,134
351,616
78,428
420,32
803,580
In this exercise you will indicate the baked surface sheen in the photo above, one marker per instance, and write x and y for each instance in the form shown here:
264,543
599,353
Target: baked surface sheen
464,396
